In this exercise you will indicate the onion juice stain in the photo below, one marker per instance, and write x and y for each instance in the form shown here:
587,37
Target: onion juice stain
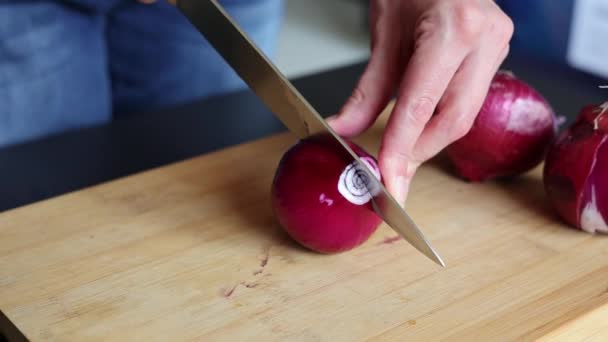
228,292
265,257
390,240
250,285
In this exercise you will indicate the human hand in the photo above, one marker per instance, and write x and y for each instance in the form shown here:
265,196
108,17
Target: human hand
439,58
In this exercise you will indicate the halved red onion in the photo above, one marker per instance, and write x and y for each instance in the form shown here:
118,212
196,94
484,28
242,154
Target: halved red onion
510,134
576,171
320,196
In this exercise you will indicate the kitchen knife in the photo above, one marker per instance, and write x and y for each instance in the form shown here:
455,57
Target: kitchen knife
281,97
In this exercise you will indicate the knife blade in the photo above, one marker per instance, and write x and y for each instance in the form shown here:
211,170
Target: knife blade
290,107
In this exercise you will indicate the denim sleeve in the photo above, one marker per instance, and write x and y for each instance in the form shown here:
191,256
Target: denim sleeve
542,27
53,71
95,5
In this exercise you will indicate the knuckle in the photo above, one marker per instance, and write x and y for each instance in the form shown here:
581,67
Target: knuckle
396,149
505,52
502,28
399,156
358,96
458,130
428,26
422,111
461,126
469,20
507,27
401,162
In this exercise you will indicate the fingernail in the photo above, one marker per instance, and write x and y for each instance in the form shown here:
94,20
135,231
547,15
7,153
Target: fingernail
334,123
400,189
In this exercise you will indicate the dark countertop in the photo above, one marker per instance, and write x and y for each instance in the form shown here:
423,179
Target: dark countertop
52,166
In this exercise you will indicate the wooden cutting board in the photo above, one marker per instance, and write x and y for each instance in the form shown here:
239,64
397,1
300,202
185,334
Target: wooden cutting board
191,251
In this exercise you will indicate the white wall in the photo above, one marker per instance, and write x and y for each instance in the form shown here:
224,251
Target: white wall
322,34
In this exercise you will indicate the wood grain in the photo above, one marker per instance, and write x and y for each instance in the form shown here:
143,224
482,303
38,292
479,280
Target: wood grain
191,251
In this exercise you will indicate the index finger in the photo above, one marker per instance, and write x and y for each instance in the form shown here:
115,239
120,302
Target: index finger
431,67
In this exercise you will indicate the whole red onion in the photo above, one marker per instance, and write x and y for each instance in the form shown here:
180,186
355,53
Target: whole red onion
576,171
321,198
509,136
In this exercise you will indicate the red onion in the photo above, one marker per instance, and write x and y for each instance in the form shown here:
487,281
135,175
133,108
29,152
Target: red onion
321,199
510,134
576,171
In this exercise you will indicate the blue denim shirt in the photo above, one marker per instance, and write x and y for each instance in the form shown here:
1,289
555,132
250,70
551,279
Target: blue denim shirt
66,64
104,5
542,27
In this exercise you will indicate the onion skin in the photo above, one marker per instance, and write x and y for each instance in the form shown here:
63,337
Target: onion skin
509,136
575,173
309,203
